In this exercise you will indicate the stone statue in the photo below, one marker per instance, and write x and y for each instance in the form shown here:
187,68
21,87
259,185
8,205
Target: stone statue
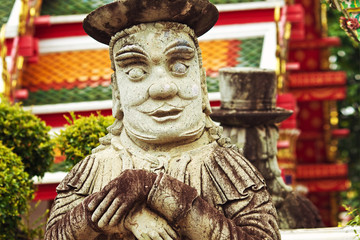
164,171
248,115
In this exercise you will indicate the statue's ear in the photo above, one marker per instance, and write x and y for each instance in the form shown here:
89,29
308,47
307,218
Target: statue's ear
205,98
116,104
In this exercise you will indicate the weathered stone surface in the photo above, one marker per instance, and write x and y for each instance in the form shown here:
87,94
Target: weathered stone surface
106,21
164,171
253,103
248,98
247,89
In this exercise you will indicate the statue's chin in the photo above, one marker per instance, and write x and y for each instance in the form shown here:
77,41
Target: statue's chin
164,137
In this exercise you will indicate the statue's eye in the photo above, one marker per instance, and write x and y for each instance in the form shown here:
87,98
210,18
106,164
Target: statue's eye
136,73
179,69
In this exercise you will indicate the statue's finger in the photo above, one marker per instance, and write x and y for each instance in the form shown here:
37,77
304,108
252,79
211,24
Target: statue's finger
119,214
96,199
105,219
159,235
103,206
164,235
170,233
145,236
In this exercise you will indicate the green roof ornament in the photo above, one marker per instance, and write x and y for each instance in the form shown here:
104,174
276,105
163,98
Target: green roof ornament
350,21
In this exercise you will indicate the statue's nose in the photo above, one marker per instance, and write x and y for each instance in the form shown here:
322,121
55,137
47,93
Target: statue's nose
163,90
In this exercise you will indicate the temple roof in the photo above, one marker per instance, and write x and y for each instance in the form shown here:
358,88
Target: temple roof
72,7
76,76
5,10
68,70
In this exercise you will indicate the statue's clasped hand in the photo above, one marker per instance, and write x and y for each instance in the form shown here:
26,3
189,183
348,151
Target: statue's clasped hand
146,224
114,202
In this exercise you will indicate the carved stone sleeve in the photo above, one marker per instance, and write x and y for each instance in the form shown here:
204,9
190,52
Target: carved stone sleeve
75,216
68,216
69,219
254,217
171,198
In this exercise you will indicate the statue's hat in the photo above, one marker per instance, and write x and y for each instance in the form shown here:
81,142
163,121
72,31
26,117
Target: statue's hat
248,98
102,23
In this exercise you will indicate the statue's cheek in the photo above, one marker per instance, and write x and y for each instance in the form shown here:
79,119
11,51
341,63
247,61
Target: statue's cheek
133,94
191,91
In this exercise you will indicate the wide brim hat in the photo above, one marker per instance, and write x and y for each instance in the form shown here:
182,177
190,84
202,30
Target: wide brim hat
248,97
249,118
105,21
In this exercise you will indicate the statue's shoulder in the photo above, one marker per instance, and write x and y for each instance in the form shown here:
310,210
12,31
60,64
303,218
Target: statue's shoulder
230,156
84,172
232,173
104,152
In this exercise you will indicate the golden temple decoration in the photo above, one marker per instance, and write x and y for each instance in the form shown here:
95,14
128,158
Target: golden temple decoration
350,21
3,52
332,120
24,11
281,50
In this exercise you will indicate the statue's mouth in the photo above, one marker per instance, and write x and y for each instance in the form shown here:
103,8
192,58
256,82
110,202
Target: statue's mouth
166,113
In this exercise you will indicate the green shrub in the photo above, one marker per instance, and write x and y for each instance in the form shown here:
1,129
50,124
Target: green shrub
15,191
27,136
82,135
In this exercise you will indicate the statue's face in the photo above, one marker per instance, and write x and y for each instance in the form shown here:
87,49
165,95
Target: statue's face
158,75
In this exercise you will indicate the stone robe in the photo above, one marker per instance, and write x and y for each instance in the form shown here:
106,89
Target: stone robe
221,176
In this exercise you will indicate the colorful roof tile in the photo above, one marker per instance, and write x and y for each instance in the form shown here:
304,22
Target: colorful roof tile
68,70
250,52
85,75
231,53
63,95
5,10
72,7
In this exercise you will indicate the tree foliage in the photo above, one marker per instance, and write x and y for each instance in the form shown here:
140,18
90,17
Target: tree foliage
81,135
15,191
347,58
27,136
